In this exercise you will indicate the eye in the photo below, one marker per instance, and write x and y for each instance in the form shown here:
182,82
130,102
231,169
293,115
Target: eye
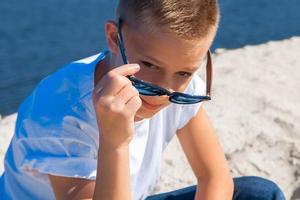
148,65
184,74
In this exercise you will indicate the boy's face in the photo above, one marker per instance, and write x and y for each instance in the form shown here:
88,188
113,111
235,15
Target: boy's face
165,60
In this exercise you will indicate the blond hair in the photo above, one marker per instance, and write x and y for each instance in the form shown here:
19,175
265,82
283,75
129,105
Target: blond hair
189,19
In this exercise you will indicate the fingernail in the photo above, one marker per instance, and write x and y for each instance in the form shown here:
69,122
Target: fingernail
136,65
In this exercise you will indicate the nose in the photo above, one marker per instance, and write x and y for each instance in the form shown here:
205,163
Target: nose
164,82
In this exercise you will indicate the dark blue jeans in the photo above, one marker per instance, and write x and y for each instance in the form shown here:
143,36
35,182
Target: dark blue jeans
245,188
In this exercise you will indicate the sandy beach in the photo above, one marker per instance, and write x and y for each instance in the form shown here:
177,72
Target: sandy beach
255,105
255,111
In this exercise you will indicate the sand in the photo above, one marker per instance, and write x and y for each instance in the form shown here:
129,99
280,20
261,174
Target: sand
6,131
255,111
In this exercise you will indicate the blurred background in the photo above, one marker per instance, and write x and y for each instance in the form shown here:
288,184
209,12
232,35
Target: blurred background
39,37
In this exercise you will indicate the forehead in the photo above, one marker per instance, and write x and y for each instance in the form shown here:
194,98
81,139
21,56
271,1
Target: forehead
165,47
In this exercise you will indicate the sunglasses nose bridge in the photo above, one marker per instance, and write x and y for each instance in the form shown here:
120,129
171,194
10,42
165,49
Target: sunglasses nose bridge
161,86
163,83
170,90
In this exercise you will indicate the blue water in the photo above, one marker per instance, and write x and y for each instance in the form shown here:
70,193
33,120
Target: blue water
38,37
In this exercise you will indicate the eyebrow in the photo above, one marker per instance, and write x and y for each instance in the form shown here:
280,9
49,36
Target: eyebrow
159,63
154,59
191,68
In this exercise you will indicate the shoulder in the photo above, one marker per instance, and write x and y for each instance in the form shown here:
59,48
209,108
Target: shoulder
196,86
57,96
177,115
65,85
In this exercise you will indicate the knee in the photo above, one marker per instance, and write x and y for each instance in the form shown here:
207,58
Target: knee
253,187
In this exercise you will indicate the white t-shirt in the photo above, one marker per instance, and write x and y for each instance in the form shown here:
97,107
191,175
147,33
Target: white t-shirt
56,133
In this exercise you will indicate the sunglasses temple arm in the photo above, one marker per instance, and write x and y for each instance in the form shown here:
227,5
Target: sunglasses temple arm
122,49
120,43
209,73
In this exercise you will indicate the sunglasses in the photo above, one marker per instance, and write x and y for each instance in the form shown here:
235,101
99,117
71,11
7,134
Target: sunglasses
149,89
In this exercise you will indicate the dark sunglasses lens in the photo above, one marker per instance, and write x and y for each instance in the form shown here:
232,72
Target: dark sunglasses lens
185,99
147,90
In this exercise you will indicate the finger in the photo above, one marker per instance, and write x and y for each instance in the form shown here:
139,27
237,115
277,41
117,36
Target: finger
126,70
126,93
133,105
112,82
111,86
115,84
98,90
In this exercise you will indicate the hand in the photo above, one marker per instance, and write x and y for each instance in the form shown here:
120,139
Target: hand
116,101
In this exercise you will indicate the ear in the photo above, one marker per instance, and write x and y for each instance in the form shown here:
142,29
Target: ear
111,35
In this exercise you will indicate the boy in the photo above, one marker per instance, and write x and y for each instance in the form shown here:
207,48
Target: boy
94,130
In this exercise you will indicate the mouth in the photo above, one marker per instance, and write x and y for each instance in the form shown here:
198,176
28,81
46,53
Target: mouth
150,106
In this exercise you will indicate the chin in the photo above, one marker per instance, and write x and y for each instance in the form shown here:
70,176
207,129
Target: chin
148,108
144,113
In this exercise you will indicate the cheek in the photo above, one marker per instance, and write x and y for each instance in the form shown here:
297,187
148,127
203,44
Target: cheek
183,85
145,113
147,74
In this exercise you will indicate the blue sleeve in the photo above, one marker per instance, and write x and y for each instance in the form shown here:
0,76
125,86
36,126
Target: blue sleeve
55,133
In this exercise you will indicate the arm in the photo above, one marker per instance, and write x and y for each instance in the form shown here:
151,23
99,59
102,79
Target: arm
72,188
206,158
115,102
112,180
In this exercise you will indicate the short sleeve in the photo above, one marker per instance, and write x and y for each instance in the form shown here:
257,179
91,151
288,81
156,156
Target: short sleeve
62,151
185,112
56,132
